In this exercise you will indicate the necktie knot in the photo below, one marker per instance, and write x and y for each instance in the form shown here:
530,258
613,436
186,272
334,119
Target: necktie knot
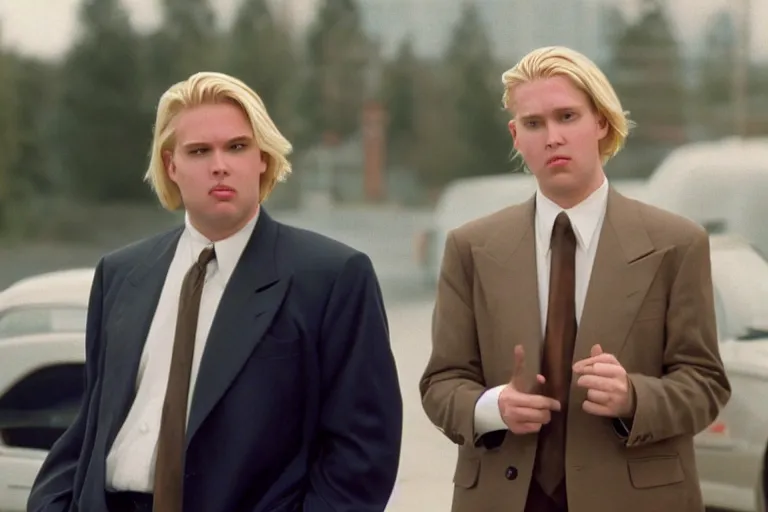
207,255
562,229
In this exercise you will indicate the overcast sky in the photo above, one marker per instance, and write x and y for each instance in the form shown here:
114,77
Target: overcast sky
46,27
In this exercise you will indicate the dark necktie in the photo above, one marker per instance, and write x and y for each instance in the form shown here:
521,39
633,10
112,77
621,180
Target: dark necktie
557,359
169,468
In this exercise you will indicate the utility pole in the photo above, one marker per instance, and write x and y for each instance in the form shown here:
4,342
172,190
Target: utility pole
741,63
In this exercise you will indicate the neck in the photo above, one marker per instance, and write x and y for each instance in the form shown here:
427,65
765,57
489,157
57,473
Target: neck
568,198
223,229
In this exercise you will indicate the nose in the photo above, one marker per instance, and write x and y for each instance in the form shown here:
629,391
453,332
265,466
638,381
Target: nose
554,137
219,167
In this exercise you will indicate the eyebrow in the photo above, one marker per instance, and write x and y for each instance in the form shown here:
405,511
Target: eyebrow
235,140
558,110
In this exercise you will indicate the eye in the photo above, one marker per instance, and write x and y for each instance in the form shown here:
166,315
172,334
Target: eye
569,116
239,146
198,151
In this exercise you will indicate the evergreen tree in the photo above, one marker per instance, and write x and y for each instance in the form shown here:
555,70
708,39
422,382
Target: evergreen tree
647,73
186,42
400,101
474,80
335,86
260,52
102,130
8,135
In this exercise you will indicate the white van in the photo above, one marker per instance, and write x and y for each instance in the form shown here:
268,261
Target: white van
722,185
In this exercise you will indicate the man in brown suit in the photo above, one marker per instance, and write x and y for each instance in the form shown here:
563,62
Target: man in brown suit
575,354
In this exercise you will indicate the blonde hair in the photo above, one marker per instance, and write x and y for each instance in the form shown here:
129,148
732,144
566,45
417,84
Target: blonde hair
551,61
211,88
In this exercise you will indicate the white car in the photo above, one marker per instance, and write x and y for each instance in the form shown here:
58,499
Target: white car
729,454
42,356
719,184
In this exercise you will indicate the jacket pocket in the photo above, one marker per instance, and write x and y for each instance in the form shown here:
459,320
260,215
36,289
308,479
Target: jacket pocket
658,471
467,472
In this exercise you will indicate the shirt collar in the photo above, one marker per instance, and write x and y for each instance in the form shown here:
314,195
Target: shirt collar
228,251
585,217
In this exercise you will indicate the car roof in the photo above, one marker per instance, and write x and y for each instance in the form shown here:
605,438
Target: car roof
468,198
71,286
701,161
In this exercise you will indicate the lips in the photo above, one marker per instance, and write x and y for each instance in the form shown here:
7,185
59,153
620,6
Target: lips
222,188
558,159
222,193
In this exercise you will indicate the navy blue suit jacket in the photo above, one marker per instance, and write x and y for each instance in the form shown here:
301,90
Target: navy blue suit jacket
297,405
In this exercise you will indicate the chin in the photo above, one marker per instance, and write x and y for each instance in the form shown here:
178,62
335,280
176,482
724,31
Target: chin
562,178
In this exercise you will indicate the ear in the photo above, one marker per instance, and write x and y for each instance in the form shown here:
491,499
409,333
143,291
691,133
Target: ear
602,127
170,166
513,131
264,162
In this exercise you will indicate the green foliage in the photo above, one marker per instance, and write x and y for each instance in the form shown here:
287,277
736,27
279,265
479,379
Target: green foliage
649,78
187,41
475,83
334,89
259,51
400,98
102,128
8,135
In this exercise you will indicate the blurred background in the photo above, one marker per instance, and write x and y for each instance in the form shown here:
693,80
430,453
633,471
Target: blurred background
394,108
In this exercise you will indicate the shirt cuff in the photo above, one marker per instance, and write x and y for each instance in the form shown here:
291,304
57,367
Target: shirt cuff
487,414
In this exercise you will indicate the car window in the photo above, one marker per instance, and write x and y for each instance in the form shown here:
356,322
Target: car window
740,276
26,321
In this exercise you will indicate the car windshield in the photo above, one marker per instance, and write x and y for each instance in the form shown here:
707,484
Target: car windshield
740,275
39,319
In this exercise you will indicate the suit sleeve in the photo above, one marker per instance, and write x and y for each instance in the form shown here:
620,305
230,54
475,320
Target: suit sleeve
694,388
54,486
362,414
452,384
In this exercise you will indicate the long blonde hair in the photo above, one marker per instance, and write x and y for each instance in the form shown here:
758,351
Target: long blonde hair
553,61
207,88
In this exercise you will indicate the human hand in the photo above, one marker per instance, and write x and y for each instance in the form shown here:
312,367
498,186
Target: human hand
523,411
606,383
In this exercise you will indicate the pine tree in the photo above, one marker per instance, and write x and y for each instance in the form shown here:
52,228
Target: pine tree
102,129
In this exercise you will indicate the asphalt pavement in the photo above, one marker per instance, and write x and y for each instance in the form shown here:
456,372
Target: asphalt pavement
427,460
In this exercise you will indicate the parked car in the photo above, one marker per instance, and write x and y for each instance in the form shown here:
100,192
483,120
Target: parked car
42,356
730,452
469,198
720,184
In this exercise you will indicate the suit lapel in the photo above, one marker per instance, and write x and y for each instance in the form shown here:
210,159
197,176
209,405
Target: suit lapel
625,265
250,301
126,331
506,269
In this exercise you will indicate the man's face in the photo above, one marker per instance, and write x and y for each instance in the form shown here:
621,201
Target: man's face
558,133
217,167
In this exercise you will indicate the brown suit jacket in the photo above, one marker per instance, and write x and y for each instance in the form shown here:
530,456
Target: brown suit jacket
650,303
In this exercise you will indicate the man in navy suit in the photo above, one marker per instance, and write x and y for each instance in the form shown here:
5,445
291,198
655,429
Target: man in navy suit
234,364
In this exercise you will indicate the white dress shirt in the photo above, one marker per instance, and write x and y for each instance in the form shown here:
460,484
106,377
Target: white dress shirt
131,461
587,221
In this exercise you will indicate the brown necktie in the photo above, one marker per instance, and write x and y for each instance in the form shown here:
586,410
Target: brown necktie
169,468
559,338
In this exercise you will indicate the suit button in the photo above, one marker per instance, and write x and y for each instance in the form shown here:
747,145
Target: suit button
511,473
